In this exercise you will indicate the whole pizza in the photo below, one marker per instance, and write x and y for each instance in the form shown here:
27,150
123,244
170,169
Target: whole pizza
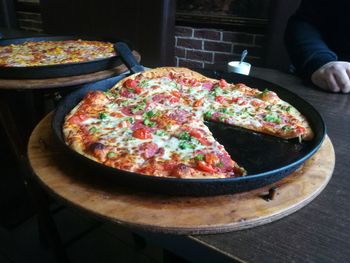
152,123
44,53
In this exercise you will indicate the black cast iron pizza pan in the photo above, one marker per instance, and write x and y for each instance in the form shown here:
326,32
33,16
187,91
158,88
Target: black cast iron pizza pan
266,158
55,71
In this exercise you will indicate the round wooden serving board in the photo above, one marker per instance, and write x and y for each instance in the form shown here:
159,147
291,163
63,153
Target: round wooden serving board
170,214
30,84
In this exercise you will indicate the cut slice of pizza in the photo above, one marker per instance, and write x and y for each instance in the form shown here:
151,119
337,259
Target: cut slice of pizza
156,141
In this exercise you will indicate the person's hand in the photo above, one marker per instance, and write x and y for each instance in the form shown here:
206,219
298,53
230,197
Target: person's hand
333,76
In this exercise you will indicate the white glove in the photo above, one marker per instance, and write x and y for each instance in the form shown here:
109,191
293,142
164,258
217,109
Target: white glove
333,76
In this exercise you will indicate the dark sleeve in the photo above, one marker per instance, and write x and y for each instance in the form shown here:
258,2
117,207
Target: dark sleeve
305,45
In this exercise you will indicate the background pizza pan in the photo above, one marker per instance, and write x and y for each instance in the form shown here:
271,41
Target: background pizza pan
55,71
266,158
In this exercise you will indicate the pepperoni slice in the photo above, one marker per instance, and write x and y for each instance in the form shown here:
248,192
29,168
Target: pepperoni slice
179,116
181,171
132,110
226,163
126,93
139,124
148,149
208,85
126,110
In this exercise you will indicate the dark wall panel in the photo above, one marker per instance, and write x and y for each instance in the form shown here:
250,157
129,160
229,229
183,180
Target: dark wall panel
148,25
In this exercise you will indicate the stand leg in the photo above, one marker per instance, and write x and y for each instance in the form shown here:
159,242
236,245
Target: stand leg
47,228
48,233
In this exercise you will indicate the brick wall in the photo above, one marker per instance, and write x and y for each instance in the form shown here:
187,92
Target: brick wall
213,48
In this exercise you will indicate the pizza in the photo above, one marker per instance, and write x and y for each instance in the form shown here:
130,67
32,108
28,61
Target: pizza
152,123
43,53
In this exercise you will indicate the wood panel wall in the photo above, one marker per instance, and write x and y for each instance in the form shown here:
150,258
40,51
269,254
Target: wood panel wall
148,25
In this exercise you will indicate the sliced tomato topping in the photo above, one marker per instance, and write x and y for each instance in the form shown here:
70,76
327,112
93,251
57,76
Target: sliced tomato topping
219,99
234,99
211,158
242,101
257,103
130,83
138,90
176,93
76,119
300,130
195,133
204,141
222,83
198,103
142,133
174,100
205,167
192,81
116,114
172,75
123,124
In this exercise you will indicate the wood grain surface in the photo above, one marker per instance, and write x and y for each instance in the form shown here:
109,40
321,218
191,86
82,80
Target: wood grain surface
30,84
169,214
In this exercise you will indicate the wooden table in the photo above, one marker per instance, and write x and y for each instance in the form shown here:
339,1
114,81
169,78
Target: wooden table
317,233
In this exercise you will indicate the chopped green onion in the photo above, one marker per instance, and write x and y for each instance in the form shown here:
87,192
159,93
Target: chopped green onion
220,164
186,145
286,128
143,83
221,118
208,114
273,118
102,115
216,91
92,130
184,136
141,106
124,103
149,123
112,94
110,154
150,114
160,133
199,157
268,107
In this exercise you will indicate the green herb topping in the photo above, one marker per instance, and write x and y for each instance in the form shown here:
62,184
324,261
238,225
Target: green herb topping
102,115
273,118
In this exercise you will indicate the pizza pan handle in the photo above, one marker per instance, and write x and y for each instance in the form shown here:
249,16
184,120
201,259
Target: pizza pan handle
128,58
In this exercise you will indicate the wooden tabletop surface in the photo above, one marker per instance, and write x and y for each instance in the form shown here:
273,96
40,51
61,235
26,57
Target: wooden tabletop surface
62,82
320,232
90,192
